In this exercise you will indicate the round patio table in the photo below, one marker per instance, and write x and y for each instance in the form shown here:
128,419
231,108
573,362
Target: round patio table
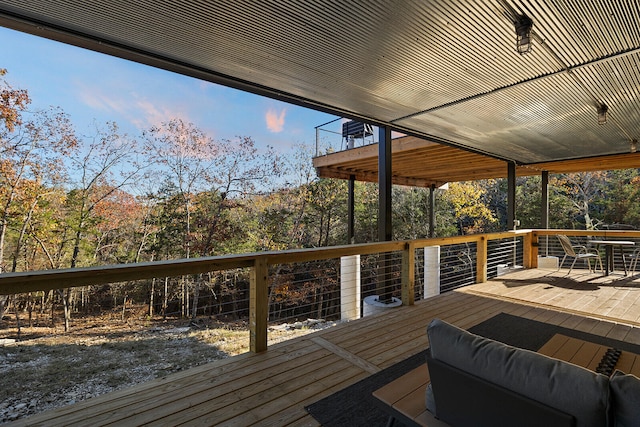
608,246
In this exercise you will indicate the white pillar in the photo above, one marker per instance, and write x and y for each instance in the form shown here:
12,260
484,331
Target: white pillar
350,287
431,271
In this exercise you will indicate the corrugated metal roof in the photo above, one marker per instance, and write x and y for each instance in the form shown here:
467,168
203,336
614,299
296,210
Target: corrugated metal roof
442,69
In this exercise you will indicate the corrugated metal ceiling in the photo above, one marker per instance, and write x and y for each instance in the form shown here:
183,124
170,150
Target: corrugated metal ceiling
444,70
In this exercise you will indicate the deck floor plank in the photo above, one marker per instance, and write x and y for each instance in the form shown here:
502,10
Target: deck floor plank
272,388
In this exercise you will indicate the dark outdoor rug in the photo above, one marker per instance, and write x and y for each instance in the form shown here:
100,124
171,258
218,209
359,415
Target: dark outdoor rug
354,406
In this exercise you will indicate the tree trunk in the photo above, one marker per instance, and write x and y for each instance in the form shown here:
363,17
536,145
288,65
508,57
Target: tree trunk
151,296
3,305
53,311
30,305
165,302
3,226
196,295
65,294
17,319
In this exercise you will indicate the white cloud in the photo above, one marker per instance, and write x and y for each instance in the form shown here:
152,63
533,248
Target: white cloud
140,111
275,120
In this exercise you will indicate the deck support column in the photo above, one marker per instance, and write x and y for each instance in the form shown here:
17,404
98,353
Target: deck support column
481,260
544,208
431,271
511,195
351,208
383,290
258,305
432,211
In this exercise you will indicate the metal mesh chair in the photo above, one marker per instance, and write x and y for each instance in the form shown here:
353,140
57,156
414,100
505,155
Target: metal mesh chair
634,261
577,252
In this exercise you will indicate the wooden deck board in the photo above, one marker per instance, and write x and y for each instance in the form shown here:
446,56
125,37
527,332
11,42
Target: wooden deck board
272,388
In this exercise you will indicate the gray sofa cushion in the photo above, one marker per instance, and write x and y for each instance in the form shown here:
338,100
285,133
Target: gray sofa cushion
625,397
564,386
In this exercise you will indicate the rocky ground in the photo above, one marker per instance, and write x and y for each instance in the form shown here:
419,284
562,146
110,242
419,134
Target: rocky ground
46,368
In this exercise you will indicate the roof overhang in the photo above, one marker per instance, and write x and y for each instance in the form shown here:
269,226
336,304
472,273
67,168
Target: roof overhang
442,70
416,162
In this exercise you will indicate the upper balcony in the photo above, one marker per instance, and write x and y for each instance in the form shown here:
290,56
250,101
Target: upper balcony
418,162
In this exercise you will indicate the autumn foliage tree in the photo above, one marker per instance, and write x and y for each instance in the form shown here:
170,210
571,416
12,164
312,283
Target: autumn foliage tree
13,102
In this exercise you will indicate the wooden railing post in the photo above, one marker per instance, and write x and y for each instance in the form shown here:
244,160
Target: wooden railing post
258,305
481,260
408,274
530,250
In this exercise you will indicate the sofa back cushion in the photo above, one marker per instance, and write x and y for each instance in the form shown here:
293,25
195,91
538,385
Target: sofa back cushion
625,398
569,388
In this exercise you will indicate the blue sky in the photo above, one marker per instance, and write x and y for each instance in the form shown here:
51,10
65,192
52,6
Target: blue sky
91,86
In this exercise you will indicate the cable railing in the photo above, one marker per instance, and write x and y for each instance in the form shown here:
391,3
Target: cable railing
549,246
506,254
249,301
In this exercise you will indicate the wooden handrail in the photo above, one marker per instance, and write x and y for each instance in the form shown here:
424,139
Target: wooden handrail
259,262
45,280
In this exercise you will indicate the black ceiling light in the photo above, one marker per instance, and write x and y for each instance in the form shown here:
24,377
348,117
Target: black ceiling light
523,34
602,113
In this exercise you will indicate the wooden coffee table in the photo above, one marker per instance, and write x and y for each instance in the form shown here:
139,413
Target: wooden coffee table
588,354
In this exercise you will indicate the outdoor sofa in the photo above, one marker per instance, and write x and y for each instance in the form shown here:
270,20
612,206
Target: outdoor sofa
476,381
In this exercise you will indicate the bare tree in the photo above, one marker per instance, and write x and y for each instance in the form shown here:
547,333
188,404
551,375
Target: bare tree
104,165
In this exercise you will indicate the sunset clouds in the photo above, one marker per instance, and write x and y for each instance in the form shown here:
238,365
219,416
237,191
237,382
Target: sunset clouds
275,120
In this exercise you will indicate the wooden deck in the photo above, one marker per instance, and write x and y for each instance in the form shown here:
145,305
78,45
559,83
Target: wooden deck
272,388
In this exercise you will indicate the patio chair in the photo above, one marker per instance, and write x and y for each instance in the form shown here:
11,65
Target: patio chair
634,261
577,252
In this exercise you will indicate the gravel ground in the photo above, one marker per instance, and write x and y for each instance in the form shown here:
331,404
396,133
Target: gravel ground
47,369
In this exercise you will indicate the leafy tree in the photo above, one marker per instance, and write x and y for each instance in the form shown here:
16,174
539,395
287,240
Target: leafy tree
118,216
581,190
105,165
32,159
32,146
327,214
621,188
471,214
410,213
366,212
13,102
185,156
211,179
239,173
